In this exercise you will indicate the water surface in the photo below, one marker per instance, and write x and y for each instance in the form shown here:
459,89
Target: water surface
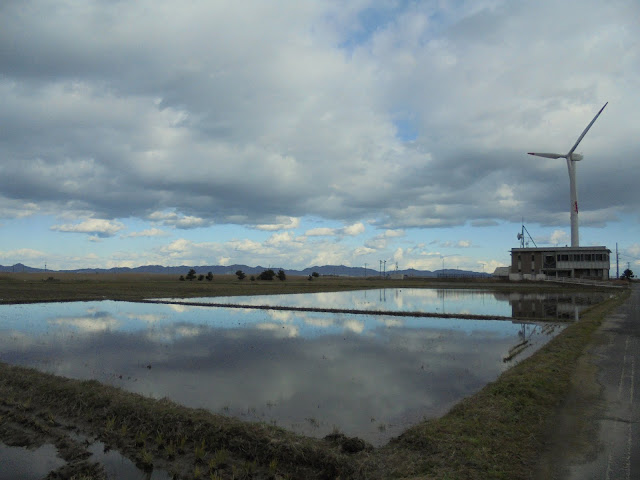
367,375
559,305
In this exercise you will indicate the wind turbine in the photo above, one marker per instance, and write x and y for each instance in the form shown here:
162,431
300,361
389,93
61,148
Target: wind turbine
572,158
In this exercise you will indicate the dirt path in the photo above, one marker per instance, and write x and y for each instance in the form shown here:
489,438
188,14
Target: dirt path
598,433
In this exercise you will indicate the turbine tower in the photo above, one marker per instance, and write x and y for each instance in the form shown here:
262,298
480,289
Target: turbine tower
572,158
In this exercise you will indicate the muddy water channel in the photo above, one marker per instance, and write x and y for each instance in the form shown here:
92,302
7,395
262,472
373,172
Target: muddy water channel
367,375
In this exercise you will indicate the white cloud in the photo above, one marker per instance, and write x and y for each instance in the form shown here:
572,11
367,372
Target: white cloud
453,244
359,251
286,223
381,241
94,226
560,237
280,239
173,219
150,232
355,229
320,232
25,254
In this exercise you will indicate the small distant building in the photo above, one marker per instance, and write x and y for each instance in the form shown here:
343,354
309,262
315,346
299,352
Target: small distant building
501,272
397,276
560,262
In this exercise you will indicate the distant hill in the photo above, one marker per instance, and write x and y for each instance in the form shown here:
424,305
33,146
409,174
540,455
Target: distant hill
325,270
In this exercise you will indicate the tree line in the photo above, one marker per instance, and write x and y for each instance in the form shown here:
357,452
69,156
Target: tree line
265,275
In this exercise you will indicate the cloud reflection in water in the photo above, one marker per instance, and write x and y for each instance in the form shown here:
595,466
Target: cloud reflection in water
369,376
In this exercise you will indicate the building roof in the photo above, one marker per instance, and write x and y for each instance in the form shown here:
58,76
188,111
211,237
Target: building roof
560,249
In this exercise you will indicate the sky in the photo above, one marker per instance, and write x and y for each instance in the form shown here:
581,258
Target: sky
298,133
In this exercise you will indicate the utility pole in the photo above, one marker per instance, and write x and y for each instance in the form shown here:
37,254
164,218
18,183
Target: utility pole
385,269
617,262
380,270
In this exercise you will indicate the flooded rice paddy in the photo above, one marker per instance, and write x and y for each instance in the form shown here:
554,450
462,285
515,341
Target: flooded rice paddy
370,376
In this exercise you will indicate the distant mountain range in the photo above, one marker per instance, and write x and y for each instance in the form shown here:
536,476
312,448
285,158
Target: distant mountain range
325,270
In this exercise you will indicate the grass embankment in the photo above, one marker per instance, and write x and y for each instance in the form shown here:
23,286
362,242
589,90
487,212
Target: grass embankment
498,433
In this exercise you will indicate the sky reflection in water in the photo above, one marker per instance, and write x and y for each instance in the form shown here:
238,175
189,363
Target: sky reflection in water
370,376
478,302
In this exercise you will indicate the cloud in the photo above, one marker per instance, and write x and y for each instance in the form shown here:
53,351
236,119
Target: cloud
94,226
453,244
320,232
350,230
25,254
381,241
151,232
170,123
172,219
10,208
484,223
355,229
560,237
286,224
410,115
634,250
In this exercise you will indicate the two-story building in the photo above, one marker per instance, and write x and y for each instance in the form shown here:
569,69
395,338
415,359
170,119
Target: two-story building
558,262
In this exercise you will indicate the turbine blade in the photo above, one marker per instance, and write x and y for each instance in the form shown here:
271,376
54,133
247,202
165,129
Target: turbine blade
548,155
585,131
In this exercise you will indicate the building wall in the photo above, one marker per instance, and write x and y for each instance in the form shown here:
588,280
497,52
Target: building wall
580,262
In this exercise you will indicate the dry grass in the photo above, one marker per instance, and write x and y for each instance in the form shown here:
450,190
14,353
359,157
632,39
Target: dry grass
51,287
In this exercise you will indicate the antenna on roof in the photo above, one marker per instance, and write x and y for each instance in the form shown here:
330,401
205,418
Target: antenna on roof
522,238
